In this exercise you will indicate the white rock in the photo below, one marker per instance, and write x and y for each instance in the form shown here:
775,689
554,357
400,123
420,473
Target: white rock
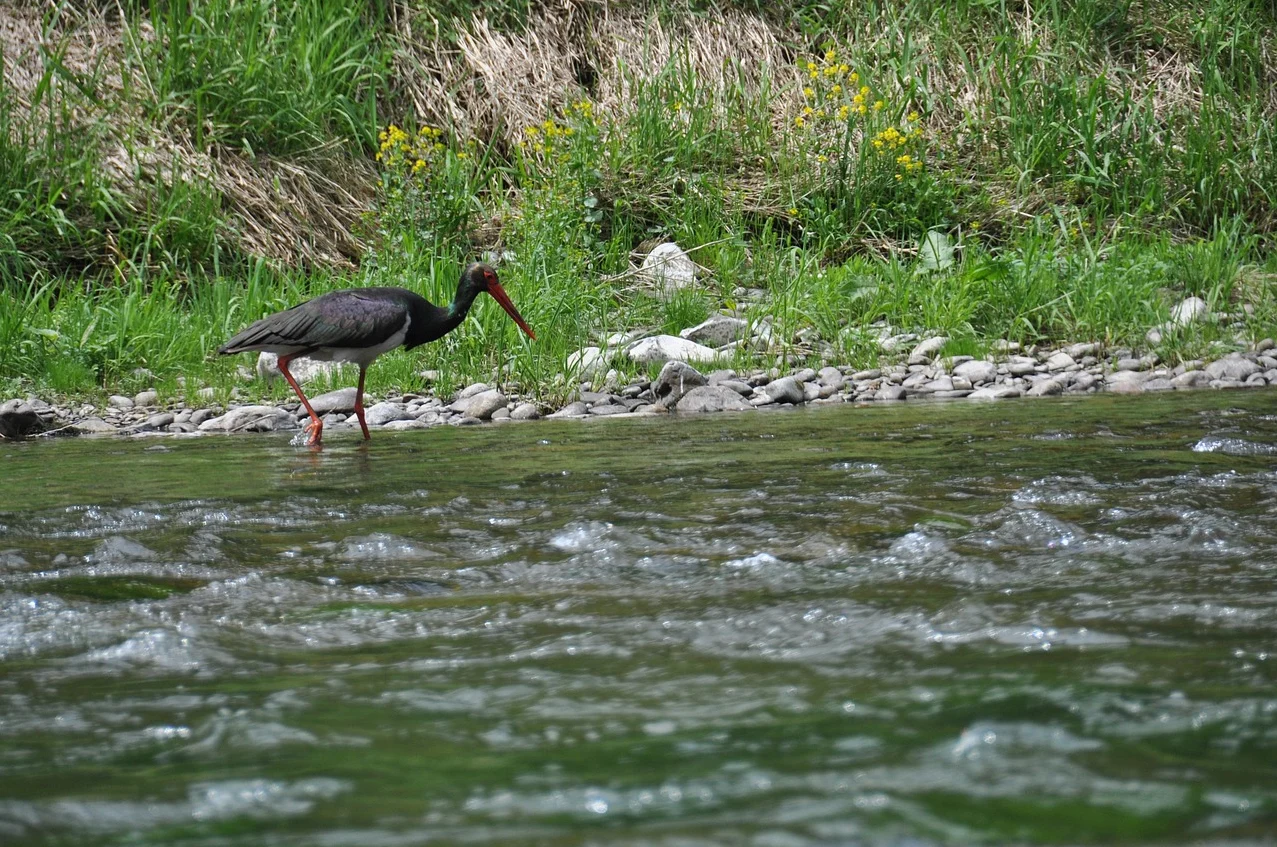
669,269
712,398
994,392
584,363
1060,361
340,400
929,347
664,348
303,370
1190,309
976,371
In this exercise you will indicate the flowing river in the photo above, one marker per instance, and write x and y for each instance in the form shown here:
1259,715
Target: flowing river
1041,622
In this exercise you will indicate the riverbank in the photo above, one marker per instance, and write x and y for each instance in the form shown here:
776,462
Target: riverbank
918,372
172,173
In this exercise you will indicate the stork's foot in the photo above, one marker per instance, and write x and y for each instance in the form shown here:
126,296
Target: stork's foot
316,430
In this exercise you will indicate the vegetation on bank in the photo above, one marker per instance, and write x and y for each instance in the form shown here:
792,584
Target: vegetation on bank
170,172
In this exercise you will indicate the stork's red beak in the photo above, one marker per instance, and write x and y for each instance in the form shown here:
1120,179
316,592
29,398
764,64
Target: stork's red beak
498,294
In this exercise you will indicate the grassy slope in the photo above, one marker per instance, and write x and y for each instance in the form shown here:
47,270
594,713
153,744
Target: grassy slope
1095,162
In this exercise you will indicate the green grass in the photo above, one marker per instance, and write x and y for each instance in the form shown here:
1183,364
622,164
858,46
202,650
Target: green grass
1091,171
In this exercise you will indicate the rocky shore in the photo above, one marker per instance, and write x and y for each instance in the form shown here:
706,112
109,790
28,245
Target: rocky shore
688,383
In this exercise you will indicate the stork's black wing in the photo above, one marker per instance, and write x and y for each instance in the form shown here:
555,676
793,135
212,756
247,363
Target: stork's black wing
351,318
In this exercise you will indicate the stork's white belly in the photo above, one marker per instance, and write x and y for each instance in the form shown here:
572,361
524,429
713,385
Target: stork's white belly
362,356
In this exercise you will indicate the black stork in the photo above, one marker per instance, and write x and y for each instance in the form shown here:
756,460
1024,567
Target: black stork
359,324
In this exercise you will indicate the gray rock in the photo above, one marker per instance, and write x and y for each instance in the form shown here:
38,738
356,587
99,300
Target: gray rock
716,331
995,392
250,419
384,413
665,348
712,398
785,390
161,420
675,380
943,383
1084,382
744,389
1232,367
1083,349
481,405
976,371
1265,344
1158,384
1191,379
1021,365
1129,363
18,419
607,409
575,409
502,414
525,412
585,363
811,391
92,426
864,376
472,390
146,398
1060,361
805,375
1046,388
181,428
200,415
340,400
118,401
890,392
401,425
832,377
1127,386
928,348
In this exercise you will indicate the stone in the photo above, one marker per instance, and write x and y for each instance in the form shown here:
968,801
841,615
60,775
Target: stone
502,414
744,389
180,428
890,392
338,400
1189,310
605,409
1232,367
161,420
1160,383
668,269
1046,388
146,398
785,390
92,426
1082,349
471,390
927,349
832,377
665,348
525,412
675,380
716,331
1060,361
250,419
994,392
575,409
19,419
1127,386
1084,382
805,375
303,370
117,401
1130,363
384,413
864,376
811,391
200,415
1191,379
401,425
942,383
712,398
976,371
1265,344
1021,365
481,405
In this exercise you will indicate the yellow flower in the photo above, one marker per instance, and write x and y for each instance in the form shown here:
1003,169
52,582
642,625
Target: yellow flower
800,122
822,158
807,92
899,177
843,112
814,74
820,113
807,110
830,55
975,226
836,90
843,68
793,212
864,91
811,66
678,105
878,143
878,104
913,116
532,131
854,78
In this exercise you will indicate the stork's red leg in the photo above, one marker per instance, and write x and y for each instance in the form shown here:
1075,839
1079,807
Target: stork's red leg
316,426
359,404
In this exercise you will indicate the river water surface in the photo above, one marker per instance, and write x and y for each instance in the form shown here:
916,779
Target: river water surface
1037,622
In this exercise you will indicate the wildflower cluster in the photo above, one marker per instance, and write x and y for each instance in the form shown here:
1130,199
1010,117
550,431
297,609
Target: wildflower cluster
550,138
414,153
833,93
896,143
